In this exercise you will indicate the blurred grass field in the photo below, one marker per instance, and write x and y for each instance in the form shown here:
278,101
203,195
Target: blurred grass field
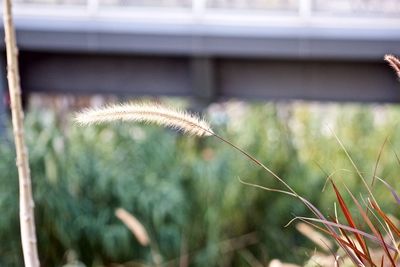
186,191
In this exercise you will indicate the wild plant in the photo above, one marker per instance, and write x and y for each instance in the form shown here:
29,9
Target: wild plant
374,245
349,237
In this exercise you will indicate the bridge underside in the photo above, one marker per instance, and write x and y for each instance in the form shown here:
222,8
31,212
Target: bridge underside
209,78
311,59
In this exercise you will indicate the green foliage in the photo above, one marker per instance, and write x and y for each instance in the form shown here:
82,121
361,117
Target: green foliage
184,190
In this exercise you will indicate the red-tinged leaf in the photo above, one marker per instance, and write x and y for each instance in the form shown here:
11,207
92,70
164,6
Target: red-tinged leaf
387,251
348,245
335,236
318,214
386,218
350,229
356,251
359,253
349,240
344,233
364,215
353,247
308,204
347,237
349,218
351,250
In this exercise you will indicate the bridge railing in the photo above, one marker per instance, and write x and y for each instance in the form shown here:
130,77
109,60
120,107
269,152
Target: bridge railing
199,9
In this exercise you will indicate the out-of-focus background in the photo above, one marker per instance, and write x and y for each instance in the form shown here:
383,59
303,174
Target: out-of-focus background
277,77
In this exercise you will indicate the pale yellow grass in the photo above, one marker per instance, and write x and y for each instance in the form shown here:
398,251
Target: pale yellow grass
134,226
150,113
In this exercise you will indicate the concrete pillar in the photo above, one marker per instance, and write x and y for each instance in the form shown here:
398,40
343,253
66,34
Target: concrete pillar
3,88
203,82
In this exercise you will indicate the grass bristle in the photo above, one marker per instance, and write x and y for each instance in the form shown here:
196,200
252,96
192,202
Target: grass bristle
150,113
394,62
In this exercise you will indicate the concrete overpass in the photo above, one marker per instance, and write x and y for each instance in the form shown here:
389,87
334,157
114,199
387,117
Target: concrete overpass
208,53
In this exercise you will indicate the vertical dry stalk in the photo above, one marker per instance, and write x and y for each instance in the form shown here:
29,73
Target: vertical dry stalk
27,220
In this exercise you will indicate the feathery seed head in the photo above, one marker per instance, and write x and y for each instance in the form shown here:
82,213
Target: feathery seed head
146,113
394,63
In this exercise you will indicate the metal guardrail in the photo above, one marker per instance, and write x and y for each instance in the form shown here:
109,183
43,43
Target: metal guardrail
201,8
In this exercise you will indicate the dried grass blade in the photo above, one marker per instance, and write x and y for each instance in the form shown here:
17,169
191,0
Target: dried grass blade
354,165
392,190
385,248
309,232
318,214
377,161
350,229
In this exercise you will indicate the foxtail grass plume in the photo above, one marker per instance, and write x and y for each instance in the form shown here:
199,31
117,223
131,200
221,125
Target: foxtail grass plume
394,63
147,113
